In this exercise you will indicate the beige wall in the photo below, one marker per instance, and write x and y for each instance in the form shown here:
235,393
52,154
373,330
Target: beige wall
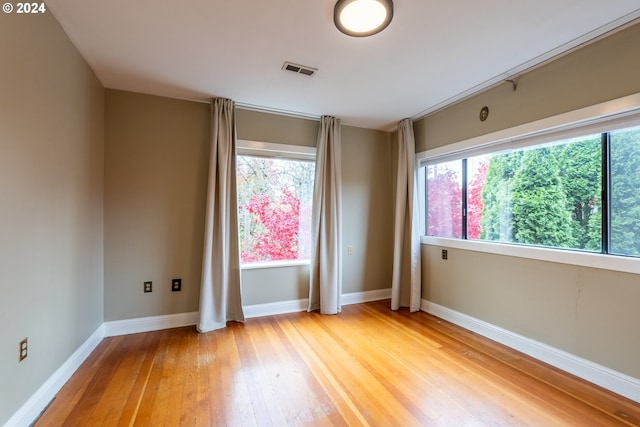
367,209
266,127
588,312
585,311
51,203
156,162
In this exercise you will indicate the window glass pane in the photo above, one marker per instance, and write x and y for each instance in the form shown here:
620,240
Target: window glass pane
274,208
444,199
544,195
580,162
476,176
494,174
625,194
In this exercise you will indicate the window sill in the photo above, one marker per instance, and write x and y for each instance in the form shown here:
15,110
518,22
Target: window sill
274,264
582,259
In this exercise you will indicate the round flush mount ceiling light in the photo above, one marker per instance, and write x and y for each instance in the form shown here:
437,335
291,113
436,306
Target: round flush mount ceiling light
361,18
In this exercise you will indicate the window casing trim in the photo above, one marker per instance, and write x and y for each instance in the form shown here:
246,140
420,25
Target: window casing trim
274,264
539,253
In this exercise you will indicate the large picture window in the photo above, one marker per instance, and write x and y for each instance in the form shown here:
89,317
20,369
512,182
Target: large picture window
579,193
274,206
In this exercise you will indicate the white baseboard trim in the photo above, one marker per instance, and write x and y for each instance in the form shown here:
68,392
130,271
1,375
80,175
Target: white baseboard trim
148,324
614,381
155,323
295,306
32,408
41,398
270,309
366,296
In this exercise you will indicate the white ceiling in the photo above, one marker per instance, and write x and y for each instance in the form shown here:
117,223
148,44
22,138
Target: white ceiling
433,52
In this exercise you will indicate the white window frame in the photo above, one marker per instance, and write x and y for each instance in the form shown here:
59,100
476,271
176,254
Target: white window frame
610,115
275,150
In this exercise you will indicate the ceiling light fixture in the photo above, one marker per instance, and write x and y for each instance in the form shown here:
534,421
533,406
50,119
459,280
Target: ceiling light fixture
361,18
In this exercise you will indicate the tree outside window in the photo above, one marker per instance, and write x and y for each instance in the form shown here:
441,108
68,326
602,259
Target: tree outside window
544,195
444,199
625,192
274,208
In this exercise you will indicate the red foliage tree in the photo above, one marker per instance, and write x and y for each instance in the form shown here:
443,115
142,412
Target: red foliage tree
280,221
474,201
444,201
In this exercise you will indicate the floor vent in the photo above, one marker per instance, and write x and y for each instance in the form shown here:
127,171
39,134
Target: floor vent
299,69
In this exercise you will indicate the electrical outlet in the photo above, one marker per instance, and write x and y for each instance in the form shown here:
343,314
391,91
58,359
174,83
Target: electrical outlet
176,285
349,250
445,255
148,287
23,350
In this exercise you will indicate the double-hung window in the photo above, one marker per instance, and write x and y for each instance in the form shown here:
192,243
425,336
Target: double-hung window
275,190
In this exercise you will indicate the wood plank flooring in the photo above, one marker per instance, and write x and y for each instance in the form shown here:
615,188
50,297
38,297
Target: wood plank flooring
368,366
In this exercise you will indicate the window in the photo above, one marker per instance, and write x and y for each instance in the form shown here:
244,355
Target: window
625,197
543,195
444,198
577,193
275,189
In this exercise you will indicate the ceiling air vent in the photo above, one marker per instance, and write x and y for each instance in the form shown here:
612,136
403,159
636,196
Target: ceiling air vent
299,69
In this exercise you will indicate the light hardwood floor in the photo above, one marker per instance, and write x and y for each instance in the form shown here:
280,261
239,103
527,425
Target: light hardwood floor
368,366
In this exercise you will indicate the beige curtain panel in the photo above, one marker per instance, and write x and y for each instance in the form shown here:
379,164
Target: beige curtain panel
406,282
220,292
325,282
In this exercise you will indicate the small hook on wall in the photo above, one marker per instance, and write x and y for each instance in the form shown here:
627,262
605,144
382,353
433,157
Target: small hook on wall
514,82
